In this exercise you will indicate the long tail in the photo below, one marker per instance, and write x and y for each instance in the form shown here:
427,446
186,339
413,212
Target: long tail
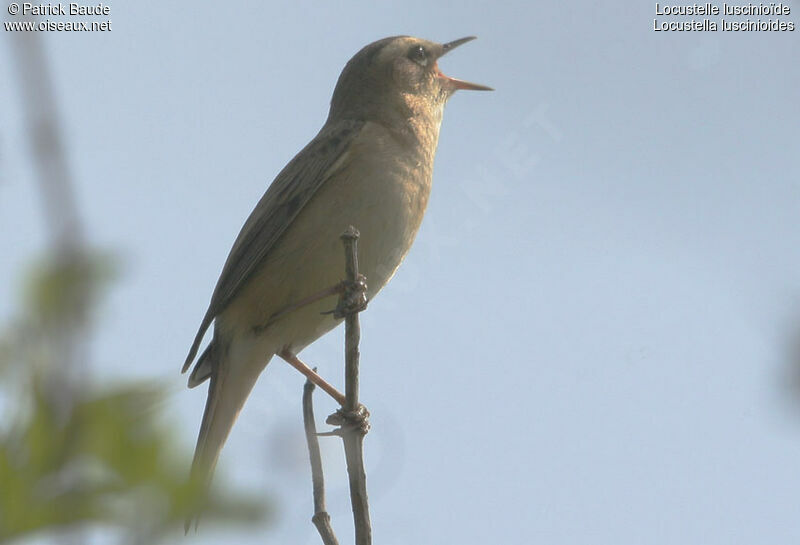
232,378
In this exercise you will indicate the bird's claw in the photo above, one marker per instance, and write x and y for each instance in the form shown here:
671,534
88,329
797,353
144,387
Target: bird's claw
353,298
350,421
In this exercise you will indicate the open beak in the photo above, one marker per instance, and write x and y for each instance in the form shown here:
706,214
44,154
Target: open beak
454,83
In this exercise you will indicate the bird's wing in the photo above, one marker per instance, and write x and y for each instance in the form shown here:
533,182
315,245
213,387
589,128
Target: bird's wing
284,199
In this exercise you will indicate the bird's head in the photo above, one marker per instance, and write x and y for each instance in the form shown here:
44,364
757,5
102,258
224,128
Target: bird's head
396,74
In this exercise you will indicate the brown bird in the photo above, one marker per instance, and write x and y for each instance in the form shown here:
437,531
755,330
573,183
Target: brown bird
370,166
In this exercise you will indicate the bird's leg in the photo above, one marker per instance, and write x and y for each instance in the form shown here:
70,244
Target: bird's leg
313,298
353,298
357,420
286,355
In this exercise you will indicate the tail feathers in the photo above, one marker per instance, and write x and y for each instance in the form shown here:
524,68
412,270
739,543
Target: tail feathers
232,380
197,340
203,368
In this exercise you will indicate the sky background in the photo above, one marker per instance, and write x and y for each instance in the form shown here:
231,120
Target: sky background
596,336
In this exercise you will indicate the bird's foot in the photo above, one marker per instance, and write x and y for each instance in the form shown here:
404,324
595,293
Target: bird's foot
349,421
353,298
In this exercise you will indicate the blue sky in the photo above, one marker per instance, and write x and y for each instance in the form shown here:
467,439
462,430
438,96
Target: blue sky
592,338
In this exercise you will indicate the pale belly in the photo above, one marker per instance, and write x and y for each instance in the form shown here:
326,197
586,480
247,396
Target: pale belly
384,204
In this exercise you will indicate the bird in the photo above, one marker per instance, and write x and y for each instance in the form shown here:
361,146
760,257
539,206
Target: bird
370,166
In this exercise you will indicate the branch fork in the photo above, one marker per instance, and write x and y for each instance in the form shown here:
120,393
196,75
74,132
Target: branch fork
352,418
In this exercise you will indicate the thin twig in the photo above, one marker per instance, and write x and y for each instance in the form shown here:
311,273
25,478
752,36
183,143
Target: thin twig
321,518
353,436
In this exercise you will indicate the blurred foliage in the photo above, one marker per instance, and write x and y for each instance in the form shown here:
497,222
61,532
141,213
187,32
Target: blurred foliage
57,290
104,458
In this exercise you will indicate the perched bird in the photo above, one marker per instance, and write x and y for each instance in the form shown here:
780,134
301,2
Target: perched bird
370,166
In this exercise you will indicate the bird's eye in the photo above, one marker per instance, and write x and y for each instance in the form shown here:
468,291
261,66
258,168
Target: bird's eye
418,55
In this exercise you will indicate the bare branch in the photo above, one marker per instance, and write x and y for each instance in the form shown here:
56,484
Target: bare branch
321,518
352,418
353,435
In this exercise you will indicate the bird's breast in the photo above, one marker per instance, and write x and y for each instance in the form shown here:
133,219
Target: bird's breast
388,184
380,186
